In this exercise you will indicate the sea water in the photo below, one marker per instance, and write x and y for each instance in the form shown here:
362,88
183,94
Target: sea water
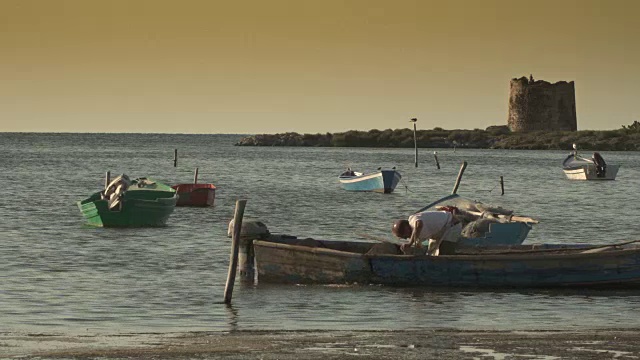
59,275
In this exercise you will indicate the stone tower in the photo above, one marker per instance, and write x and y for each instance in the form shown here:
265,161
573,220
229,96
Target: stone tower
540,105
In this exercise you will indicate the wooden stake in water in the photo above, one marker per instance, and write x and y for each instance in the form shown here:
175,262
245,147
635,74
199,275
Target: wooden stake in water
175,157
107,179
501,186
195,176
435,156
455,187
415,139
235,244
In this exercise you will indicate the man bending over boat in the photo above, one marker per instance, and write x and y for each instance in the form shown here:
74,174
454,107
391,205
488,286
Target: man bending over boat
435,226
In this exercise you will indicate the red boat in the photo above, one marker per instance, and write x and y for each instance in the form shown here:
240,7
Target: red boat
195,194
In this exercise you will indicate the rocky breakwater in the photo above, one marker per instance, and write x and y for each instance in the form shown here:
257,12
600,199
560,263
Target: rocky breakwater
493,137
286,139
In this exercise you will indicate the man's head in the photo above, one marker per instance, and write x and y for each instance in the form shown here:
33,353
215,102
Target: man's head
401,229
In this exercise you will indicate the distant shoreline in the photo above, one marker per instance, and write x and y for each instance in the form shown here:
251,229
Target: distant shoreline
494,137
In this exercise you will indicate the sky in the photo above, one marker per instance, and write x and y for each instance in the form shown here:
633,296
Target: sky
307,66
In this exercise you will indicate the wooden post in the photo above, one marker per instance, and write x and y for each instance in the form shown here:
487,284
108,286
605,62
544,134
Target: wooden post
501,186
435,156
246,258
175,157
195,176
455,187
415,140
107,179
235,243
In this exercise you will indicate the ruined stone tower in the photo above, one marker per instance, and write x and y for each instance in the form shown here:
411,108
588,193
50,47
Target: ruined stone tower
540,105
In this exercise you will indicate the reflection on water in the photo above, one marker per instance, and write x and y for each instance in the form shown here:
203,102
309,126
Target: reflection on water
58,274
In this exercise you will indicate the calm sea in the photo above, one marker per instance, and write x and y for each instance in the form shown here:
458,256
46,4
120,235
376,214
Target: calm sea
58,275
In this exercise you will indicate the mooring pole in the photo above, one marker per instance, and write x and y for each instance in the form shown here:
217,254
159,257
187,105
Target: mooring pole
195,176
435,156
175,157
455,187
235,243
107,179
415,139
501,185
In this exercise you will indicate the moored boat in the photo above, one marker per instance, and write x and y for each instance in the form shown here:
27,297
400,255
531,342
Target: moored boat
483,224
141,202
290,260
383,181
195,194
577,167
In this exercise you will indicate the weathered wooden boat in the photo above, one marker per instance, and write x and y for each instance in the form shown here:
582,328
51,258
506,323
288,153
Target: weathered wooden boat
286,259
576,167
195,194
383,181
141,202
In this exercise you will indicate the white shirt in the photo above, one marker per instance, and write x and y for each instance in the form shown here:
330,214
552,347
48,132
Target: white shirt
432,222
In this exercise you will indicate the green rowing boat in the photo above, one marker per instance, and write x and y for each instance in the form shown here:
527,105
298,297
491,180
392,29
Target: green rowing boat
140,202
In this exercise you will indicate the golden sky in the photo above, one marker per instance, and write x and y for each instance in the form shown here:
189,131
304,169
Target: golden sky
266,66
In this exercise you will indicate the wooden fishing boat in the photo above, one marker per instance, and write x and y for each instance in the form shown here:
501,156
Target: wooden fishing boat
576,167
141,202
285,259
195,194
383,181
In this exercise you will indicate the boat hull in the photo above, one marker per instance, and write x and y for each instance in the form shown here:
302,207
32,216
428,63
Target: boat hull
195,194
384,181
145,203
134,213
588,172
517,270
324,264
513,233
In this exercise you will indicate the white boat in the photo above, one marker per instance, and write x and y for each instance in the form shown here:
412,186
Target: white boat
577,167
383,181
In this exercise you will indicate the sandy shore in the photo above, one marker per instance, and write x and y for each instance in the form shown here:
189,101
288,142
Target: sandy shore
421,344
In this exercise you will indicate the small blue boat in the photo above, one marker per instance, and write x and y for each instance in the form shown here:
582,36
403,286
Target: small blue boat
383,181
495,227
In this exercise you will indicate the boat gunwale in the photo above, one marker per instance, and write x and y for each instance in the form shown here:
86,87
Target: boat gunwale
551,254
197,186
309,249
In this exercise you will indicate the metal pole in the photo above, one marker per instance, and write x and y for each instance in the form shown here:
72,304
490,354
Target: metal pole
235,244
455,187
195,176
501,185
175,157
107,179
435,155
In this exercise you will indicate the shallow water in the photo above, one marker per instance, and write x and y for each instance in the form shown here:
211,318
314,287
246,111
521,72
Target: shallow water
57,274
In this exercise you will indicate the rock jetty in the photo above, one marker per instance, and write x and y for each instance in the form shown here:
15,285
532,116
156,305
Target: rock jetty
494,137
